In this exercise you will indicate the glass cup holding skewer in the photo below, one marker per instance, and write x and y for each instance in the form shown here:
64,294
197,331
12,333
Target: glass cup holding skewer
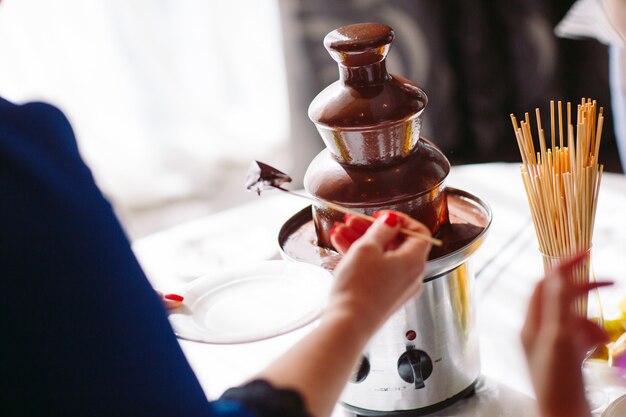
589,306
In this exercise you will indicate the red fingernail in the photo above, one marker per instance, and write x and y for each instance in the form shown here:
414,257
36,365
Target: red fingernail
174,297
391,219
351,239
377,214
346,218
360,228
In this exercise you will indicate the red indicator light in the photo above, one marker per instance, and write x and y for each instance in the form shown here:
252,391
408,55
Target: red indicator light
410,335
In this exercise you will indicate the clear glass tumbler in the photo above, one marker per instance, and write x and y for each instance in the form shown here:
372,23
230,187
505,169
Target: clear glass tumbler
590,307
581,275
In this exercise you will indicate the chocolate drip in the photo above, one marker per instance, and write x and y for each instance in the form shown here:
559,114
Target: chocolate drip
262,177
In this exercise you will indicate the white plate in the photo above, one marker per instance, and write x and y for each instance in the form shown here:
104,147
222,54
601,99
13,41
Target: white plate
617,408
251,302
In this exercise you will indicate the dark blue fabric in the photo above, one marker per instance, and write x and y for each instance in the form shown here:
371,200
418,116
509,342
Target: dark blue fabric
82,333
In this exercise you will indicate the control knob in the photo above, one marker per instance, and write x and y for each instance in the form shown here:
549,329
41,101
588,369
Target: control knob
415,366
362,371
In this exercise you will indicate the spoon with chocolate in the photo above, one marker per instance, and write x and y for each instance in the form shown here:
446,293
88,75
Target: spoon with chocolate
262,177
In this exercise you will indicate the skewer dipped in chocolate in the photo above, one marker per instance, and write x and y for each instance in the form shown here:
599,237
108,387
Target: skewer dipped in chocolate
262,177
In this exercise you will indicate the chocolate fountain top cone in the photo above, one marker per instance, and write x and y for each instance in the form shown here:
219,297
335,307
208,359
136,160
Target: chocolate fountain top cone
368,116
370,121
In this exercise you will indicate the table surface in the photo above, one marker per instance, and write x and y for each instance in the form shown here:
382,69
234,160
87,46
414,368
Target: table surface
507,268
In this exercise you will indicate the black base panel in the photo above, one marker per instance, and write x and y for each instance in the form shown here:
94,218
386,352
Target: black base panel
361,412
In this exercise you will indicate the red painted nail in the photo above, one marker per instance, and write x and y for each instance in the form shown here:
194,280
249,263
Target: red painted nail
360,227
377,214
351,239
346,218
391,219
174,297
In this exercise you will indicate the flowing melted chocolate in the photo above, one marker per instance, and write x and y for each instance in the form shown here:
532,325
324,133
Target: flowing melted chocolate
366,94
467,221
370,122
302,244
414,186
262,177
454,236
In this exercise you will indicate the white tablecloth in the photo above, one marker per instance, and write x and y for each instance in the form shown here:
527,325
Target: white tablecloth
507,267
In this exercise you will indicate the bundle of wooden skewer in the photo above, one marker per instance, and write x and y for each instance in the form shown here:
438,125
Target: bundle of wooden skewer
562,182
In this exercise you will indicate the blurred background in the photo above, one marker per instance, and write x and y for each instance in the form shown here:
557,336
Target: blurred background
171,100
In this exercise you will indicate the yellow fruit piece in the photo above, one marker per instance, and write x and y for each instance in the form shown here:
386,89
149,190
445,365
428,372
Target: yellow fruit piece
618,348
622,306
615,328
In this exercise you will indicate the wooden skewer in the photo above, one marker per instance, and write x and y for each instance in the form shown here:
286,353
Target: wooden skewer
560,124
562,181
345,210
552,126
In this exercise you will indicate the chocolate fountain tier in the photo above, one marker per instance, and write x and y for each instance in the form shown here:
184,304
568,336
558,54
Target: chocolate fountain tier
414,186
368,116
372,124
470,218
373,145
354,186
346,107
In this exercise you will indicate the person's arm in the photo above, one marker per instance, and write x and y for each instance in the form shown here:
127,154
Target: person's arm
83,331
556,341
87,335
376,276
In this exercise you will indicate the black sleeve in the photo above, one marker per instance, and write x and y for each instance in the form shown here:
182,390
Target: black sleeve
265,400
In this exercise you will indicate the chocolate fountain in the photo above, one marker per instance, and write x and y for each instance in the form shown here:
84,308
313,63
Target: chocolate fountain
426,356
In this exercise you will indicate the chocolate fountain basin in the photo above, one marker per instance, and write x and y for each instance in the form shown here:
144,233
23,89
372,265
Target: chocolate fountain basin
470,218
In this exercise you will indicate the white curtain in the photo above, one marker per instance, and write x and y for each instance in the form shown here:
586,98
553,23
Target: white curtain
164,95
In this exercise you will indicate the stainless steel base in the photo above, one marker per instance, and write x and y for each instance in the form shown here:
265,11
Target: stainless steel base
438,328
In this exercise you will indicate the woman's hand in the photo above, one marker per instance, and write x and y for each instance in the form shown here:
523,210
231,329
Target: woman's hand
381,268
556,340
171,301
